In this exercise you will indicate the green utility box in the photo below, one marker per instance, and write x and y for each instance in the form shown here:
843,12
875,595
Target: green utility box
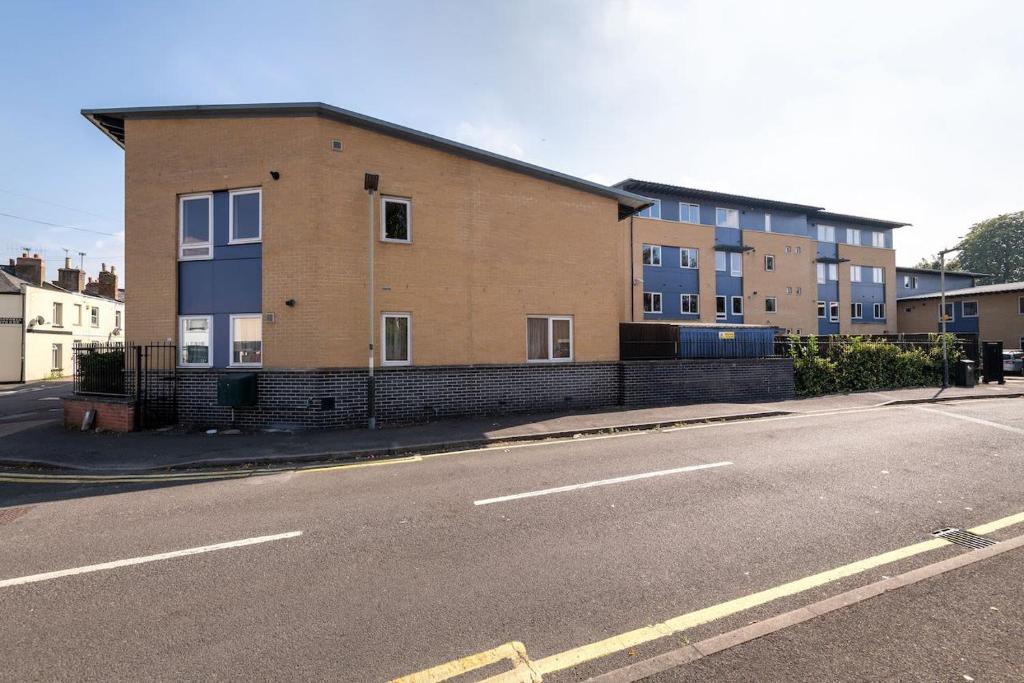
237,389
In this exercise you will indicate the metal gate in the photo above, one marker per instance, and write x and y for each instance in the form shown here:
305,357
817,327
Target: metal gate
143,374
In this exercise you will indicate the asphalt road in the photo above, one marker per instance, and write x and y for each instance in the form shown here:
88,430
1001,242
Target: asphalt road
397,570
27,405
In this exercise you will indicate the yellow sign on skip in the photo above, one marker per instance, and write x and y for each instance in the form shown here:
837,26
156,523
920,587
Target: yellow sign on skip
727,335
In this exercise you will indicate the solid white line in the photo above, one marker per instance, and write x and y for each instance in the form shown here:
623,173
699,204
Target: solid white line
33,578
975,420
602,482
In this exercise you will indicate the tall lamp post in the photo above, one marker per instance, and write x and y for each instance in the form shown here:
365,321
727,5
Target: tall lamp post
942,313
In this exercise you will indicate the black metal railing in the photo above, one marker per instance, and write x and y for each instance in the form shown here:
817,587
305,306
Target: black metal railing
101,369
144,374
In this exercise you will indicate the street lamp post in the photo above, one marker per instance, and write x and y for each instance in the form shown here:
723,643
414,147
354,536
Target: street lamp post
942,313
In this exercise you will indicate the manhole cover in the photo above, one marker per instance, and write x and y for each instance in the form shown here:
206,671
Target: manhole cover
8,515
963,538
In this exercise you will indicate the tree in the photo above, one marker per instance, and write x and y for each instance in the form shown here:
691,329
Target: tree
995,246
933,263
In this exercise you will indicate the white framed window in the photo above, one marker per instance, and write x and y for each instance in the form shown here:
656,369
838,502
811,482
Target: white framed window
652,211
821,273
969,309
689,213
195,341
721,261
395,219
689,303
94,316
799,249
833,271
687,257
821,310
950,314
246,340
769,263
737,305
856,310
549,338
767,222
771,304
878,240
910,282
195,226
826,233
57,358
396,338
652,255
878,275
58,314
789,290
853,236
720,308
727,218
856,275
652,302
879,311
245,215
78,314
833,311
117,319
736,264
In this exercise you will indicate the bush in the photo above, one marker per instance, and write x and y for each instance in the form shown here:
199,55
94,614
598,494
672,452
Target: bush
101,372
855,364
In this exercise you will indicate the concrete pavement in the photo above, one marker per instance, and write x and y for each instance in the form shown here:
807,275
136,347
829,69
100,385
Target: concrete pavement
397,570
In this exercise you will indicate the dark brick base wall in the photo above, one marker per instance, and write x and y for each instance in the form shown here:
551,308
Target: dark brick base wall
337,398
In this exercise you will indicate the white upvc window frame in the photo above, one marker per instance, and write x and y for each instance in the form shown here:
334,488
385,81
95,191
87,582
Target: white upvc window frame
695,260
732,305
735,264
952,311
551,339
383,338
94,316
78,315
691,299
856,273
58,314
724,258
878,239
774,304
878,275
57,357
181,339
767,222
231,216
208,244
766,262
853,236
231,340
822,309
659,299
654,208
729,213
689,206
856,310
384,201
833,311
655,250
827,233
879,310
833,272
724,313
963,311
821,271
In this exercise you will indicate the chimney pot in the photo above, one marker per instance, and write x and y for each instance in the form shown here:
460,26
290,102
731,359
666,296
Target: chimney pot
35,255
67,261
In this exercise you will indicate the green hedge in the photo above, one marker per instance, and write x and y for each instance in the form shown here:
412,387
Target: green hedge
101,372
856,364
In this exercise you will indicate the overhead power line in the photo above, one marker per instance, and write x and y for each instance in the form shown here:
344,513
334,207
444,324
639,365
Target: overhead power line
58,225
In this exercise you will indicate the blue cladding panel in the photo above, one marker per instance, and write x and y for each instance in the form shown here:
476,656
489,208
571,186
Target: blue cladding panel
220,218
959,324
828,250
728,286
929,282
704,342
828,292
868,294
221,340
671,281
730,236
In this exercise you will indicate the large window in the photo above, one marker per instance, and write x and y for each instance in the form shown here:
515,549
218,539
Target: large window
549,338
689,213
245,215
247,340
736,264
853,236
833,271
195,226
878,239
689,303
652,255
879,311
721,261
720,313
195,341
58,314
396,338
652,211
833,311
737,305
821,273
856,310
727,218
856,274
687,257
652,302
57,357
826,233
878,275
395,219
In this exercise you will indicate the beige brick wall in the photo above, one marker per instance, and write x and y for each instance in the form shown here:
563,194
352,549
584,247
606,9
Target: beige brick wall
797,309
999,317
490,246
873,257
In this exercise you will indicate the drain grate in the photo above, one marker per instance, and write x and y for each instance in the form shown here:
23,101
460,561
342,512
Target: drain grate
8,515
963,538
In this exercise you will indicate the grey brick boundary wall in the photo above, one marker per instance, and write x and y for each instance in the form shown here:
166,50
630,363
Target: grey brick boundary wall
318,399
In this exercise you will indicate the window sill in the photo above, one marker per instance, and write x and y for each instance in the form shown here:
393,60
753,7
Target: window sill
549,360
251,240
395,363
394,241
245,366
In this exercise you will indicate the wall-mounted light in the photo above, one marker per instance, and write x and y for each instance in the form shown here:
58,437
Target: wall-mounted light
275,175
290,303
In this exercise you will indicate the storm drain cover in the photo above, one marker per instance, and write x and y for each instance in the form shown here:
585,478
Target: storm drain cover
963,538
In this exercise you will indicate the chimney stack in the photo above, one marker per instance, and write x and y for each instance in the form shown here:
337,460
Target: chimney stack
30,268
71,279
107,282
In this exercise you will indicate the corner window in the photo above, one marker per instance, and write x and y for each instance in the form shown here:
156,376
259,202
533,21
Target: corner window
94,316
652,302
549,338
878,239
878,275
821,309
736,264
767,222
727,218
855,274
826,233
396,338
689,303
652,211
879,311
58,314
689,213
395,219
195,335
853,236
737,305
245,215
687,257
833,311
247,340
195,227
771,304
721,261
769,263
652,255
57,358
856,310
720,308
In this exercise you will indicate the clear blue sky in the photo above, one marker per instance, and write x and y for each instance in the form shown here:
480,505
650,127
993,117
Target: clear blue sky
908,110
